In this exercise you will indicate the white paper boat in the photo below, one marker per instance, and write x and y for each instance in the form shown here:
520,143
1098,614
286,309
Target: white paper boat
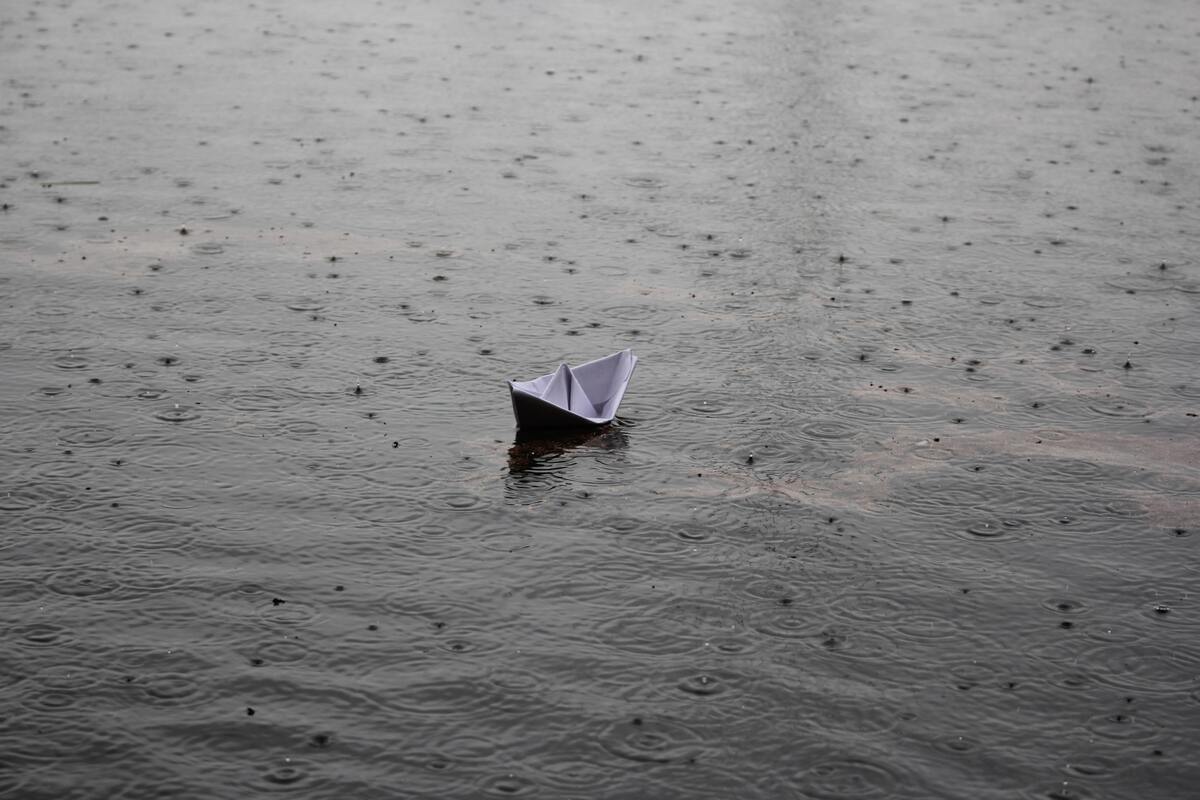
573,397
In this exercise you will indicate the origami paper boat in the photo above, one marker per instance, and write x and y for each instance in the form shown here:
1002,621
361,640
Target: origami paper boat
573,397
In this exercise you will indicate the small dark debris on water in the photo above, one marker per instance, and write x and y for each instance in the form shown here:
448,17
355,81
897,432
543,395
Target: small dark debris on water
382,359
249,711
275,601
339,588
320,740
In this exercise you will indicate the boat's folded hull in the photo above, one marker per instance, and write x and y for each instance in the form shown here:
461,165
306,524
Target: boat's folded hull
534,413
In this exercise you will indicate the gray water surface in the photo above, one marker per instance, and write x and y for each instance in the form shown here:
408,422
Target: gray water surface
903,500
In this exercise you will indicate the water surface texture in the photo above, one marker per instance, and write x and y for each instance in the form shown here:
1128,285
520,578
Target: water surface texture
903,500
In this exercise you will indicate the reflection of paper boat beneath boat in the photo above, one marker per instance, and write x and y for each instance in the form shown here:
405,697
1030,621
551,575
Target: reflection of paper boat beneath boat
540,453
573,397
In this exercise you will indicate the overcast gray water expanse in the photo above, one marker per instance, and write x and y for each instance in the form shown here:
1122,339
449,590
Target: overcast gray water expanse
903,500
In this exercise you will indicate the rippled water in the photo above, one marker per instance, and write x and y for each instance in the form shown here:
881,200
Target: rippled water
904,500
